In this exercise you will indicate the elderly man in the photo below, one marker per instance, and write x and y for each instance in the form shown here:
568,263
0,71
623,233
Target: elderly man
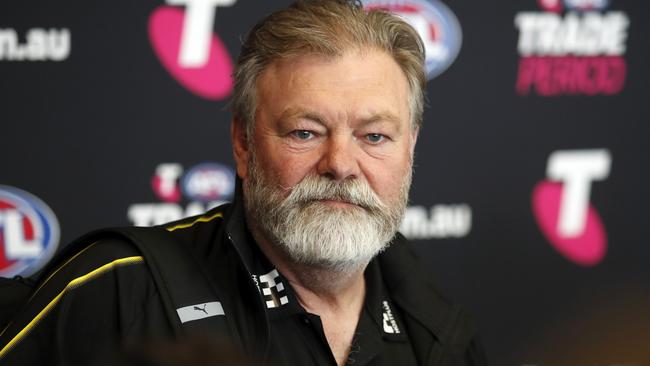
307,261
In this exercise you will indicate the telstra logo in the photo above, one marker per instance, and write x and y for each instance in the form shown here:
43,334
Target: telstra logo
562,209
187,47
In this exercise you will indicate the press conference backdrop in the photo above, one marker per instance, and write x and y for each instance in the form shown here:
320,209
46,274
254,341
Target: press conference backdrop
530,198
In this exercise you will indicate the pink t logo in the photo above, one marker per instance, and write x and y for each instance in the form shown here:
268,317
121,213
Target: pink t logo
551,5
562,209
188,49
165,182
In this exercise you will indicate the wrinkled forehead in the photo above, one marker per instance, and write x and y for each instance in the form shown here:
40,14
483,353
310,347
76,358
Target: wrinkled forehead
359,74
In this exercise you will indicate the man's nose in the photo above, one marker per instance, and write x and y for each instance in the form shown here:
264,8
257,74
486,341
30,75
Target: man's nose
339,158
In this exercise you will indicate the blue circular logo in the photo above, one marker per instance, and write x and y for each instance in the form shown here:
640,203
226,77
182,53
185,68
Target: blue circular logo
209,182
435,23
29,233
586,5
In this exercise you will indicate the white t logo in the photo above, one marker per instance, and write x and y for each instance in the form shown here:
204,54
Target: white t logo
197,29
168,174
576,169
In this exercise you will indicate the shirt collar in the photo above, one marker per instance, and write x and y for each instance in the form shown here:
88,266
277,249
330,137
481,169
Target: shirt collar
415,294
272,286
278,296
380,307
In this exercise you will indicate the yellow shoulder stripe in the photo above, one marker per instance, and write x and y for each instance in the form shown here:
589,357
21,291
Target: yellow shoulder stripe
200,219
70,286
50,276
59,268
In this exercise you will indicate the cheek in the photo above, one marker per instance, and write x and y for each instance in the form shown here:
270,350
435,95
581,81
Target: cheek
285,168
386,177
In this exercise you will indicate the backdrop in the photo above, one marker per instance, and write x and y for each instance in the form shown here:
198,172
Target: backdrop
530,196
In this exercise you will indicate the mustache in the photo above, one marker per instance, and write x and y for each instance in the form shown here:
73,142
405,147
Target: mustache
315,188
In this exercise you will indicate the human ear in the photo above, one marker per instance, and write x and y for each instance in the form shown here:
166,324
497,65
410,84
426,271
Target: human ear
240,149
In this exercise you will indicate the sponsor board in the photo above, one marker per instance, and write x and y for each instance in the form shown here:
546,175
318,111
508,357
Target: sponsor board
184,41
202,187
561,206
436,24
208,185
40,45
571,47
29,233
437,222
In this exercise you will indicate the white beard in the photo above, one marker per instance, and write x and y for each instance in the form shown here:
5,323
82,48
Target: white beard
313,233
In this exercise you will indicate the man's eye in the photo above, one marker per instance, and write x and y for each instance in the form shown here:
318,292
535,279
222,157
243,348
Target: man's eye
303,134
375,138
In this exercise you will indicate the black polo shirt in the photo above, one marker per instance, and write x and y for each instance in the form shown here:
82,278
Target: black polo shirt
105,296
298,338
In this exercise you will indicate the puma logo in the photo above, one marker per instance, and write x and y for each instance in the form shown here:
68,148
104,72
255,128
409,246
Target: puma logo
201,309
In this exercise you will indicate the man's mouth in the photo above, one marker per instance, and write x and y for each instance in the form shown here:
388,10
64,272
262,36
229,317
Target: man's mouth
337,203
342,204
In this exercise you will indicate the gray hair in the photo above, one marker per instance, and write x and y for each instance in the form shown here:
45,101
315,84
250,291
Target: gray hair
329,28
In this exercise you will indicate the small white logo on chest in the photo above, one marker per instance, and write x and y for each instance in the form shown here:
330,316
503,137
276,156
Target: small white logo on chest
272,290
199,311
390,325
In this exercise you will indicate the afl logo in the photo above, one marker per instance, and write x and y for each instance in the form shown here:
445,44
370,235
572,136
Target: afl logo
29,233
586,5
436,25
209,182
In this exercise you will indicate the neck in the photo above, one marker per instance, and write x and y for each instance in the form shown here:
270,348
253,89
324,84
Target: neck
316,285
336,296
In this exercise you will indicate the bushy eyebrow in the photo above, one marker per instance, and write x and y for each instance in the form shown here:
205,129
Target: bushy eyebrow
299,112
380,117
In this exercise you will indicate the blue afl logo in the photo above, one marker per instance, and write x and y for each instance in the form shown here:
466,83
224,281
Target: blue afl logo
29,233
586,5
209,182
436,25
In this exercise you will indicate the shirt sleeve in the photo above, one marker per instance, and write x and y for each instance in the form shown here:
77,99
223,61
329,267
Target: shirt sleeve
83,309
476,354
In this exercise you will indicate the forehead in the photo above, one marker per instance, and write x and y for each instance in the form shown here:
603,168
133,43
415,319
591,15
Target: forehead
357,84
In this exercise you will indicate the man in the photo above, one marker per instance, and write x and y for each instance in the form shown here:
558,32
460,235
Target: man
327,106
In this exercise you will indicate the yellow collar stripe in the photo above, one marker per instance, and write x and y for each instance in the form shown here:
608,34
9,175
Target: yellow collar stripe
200,219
